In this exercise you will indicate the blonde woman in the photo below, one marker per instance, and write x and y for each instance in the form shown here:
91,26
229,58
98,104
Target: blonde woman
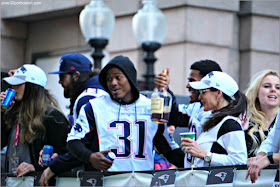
31,122
263,95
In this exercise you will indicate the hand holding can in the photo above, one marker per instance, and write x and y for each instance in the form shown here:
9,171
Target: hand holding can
190,135
111,156
10,95
47,154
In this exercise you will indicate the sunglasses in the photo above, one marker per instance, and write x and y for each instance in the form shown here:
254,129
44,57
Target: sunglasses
201,92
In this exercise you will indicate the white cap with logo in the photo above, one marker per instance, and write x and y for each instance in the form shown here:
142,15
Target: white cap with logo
28,73
218,80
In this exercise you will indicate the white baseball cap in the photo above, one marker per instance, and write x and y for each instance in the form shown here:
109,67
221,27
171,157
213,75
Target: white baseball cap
28,73
218,80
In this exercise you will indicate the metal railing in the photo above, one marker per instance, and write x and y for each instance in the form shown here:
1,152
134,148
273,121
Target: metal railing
227,175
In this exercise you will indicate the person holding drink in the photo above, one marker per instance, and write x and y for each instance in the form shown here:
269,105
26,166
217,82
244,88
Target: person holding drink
31,121
190,115
126,130
222,141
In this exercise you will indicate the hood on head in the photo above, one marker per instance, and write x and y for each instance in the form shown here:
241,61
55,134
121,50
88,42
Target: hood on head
127,67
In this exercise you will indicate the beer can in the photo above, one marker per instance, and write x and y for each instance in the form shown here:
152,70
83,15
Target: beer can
47,154
10,94
111,156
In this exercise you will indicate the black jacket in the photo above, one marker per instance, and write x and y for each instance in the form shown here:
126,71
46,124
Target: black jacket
56,130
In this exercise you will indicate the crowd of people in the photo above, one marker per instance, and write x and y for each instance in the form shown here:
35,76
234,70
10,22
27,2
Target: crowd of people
108,113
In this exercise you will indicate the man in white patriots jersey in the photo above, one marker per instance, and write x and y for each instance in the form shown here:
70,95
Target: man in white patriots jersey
119,122
189,115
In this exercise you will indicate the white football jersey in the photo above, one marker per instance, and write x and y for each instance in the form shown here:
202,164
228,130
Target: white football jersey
95,92
226,142
197,118
126,130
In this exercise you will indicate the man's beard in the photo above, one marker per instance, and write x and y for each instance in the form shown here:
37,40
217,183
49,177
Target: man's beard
68,90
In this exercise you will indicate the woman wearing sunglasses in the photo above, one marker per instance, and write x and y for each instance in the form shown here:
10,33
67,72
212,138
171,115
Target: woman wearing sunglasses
222,141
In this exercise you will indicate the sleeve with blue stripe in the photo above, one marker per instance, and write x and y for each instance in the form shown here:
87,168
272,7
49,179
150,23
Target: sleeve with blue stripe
83,123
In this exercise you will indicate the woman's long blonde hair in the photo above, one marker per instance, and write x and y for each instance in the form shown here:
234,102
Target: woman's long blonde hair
257,117
29,112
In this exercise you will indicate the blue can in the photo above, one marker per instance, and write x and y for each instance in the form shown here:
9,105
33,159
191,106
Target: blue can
10,94
47,154
111,156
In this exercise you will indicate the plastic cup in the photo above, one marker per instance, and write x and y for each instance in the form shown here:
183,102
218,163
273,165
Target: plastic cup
190,135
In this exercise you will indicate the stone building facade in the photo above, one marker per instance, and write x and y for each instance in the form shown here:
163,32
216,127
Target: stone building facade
242,36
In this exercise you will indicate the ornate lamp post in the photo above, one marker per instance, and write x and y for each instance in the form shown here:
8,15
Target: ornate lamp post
149,27
97,24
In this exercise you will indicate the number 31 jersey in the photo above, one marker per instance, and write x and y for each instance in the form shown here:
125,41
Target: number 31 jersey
127,130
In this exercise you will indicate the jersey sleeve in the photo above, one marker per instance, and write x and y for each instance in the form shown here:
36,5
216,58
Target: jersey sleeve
83,124
230,148
82,101
85,128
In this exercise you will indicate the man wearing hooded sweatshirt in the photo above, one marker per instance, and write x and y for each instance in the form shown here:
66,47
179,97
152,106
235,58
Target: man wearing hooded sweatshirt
121,123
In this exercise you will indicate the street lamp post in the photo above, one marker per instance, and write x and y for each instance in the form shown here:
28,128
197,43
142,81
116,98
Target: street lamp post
149,27
97,24
98,44
150,48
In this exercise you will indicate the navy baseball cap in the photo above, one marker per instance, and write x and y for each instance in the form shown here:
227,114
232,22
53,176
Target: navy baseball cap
73,62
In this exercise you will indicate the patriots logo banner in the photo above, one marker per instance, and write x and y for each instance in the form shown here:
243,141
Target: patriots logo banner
164,178
221,176
91,178
92,181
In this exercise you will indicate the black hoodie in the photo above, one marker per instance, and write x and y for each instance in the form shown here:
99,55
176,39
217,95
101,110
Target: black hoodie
82,149
127,67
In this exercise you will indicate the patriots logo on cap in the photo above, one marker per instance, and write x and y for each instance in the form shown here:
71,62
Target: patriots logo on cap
185,107
164,177
210,74
72,68
23,69
221,175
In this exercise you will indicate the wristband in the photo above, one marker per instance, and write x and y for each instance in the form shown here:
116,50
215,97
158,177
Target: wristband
269,156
